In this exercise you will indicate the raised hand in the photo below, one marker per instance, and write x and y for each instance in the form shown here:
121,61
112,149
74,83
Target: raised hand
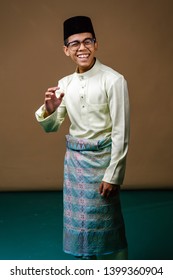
51,101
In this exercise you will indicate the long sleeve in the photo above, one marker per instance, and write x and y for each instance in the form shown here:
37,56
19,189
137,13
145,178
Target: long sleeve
119,111
53,122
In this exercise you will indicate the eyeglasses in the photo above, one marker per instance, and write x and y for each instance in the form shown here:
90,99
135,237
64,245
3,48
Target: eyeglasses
75,45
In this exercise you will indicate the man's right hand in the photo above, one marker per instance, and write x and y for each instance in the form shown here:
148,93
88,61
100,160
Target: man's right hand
51,101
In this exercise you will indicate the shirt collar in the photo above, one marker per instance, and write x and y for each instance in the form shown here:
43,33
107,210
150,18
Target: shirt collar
90,72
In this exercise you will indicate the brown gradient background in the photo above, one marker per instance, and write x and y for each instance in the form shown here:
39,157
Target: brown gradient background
135,38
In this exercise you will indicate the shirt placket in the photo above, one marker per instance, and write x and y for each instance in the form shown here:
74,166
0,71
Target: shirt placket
82,93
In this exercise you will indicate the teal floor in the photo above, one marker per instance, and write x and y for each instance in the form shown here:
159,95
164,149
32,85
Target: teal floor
31,225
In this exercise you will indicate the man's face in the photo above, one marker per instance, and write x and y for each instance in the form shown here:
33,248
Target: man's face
81,53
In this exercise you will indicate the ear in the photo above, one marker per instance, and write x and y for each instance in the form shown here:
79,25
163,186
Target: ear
96,46
66,51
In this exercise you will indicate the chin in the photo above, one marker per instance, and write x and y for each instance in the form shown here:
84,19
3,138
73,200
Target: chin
85,64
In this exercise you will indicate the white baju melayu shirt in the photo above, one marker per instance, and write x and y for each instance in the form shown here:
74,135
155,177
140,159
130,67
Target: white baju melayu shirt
97,104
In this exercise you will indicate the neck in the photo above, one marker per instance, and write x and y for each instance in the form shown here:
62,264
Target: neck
81,70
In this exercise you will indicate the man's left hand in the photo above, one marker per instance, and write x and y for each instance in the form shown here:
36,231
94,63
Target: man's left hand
107,189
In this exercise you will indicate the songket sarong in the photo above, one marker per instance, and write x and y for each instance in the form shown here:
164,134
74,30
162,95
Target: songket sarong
93,225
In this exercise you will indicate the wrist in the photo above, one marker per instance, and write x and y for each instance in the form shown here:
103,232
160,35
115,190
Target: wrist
47,114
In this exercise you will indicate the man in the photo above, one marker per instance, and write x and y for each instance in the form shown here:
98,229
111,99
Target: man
95,98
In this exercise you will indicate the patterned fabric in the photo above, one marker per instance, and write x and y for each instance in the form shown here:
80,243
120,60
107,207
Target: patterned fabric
93,224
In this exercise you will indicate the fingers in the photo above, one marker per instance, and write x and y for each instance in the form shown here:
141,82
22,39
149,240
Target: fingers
101,188
106,189
52,101
53,89
51,93
106,192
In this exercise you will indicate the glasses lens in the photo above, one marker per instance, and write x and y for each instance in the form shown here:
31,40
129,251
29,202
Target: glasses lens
88,42
76,44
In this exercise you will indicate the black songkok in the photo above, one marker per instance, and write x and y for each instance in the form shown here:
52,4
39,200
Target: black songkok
78,24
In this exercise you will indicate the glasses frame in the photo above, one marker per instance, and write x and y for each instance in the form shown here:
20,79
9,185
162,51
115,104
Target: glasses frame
73,47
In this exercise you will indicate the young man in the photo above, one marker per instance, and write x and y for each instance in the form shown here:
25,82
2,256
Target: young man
95,98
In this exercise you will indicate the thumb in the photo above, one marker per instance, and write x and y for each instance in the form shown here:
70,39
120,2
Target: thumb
61,95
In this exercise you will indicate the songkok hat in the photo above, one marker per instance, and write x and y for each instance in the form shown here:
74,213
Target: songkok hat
78,24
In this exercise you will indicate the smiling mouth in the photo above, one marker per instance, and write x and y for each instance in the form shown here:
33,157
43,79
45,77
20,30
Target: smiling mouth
83,56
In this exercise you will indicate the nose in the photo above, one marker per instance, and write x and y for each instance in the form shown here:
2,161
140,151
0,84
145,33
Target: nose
82,46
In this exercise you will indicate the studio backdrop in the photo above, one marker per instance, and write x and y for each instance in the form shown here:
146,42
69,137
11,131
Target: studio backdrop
135,38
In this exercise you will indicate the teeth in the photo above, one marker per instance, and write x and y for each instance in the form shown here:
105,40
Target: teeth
83,55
